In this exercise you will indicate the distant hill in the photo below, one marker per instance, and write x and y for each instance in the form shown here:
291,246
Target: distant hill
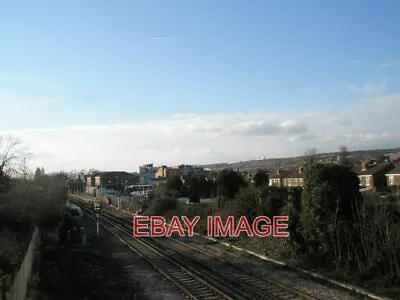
288,162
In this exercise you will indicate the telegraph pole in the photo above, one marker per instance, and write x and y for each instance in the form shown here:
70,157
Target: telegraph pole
97,224
101,189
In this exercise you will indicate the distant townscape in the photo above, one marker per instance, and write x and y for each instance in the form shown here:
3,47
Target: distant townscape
376,169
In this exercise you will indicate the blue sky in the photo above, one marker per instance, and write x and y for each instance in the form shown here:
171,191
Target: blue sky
98,63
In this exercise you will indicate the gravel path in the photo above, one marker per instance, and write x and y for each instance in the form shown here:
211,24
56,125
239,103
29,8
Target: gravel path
281,274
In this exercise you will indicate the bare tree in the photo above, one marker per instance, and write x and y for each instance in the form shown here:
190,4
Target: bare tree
310,155
13,156
311,152
344,159
24,169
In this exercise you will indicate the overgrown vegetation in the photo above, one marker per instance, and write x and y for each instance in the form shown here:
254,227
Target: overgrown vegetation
371,247
25,201
332,227
329,194
340,229
28,203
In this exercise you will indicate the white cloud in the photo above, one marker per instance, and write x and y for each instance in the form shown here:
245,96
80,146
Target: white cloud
389,64
370,88
374,88
367,123
293,127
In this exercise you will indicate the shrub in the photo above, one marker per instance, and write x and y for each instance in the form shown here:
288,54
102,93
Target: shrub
161,206
374,239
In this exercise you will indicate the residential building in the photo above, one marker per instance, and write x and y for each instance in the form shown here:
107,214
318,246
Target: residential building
393,177
164,172
293,178
276,178
374,175
111,180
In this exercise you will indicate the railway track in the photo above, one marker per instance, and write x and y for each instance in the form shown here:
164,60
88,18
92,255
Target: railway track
237,278
237,275
191,285
199,274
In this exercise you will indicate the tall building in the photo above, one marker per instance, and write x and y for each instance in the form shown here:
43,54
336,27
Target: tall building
147,174
161,172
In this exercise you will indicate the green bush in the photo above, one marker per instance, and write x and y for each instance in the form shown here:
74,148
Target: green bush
161,206
294,244
329,195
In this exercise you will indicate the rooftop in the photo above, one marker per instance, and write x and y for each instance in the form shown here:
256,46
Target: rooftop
282,173
395,171
374,169
295,173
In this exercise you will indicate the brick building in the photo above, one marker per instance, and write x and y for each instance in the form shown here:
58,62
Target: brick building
393,177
